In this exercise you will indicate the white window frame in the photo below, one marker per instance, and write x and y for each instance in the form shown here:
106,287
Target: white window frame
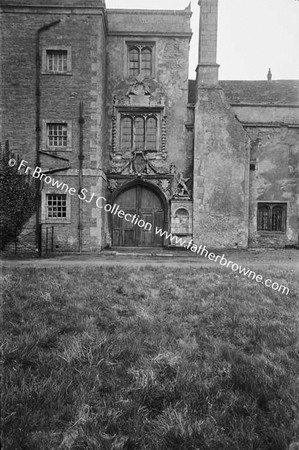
45,141
44,207
46,49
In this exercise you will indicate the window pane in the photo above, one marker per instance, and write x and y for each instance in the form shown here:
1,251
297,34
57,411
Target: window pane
146,62
56,205
277,218
133,62
57,60
126,133
151,134
57,135
139,133
263,218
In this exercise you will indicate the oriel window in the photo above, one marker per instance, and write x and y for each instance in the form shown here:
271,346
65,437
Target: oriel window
139,132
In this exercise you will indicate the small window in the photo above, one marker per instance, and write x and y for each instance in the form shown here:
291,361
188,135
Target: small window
271,217
139,127
134,62
57,135
56,60
56,206
151,133
253,165
140,60
127,133
146,62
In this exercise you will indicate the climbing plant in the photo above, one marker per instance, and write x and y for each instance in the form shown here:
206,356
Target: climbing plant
17,197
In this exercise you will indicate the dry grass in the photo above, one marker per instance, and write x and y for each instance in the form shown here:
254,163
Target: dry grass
110,358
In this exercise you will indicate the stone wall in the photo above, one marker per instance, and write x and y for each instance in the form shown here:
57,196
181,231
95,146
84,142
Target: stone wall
170,32
221,169
275,179
82,32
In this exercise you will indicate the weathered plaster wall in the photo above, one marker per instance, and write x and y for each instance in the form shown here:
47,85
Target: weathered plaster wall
276,179
274,133
221,169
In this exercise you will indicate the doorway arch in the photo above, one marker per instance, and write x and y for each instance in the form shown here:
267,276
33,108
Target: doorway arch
143,201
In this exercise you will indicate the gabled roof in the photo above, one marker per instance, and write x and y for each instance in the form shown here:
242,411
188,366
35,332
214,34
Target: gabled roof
274,92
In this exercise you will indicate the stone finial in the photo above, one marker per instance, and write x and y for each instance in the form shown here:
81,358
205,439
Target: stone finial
269,75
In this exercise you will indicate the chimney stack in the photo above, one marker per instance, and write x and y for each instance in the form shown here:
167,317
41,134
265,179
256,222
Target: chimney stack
207,69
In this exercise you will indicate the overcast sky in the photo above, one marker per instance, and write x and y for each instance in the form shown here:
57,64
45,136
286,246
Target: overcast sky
253,35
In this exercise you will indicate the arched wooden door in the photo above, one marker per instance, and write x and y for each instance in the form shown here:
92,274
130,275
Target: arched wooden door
143,202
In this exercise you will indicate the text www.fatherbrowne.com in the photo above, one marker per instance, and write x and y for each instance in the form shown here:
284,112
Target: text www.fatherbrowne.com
101,203
203,251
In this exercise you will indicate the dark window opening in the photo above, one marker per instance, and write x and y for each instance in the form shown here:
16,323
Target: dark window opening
140,60
271,217
139,132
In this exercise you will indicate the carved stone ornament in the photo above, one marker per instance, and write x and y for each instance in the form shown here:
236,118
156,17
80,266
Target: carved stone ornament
180,188
165,186
138,87
138,163
139,93
112,184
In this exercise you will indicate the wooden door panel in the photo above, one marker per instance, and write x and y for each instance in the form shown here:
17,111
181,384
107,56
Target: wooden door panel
127,199
128,231
159,222
146,236
149,200
116,234
148,206
129,238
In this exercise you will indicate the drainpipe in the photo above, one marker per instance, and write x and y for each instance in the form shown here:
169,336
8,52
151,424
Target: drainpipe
38,128
80,174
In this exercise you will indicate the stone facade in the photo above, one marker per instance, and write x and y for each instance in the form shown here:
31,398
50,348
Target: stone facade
100,100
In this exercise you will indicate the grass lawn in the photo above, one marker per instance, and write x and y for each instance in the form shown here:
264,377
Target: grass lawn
148,358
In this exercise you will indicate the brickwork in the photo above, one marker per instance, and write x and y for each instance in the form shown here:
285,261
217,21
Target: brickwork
84,33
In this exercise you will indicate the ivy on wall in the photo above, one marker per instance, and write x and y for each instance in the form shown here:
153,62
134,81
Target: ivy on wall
17,198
